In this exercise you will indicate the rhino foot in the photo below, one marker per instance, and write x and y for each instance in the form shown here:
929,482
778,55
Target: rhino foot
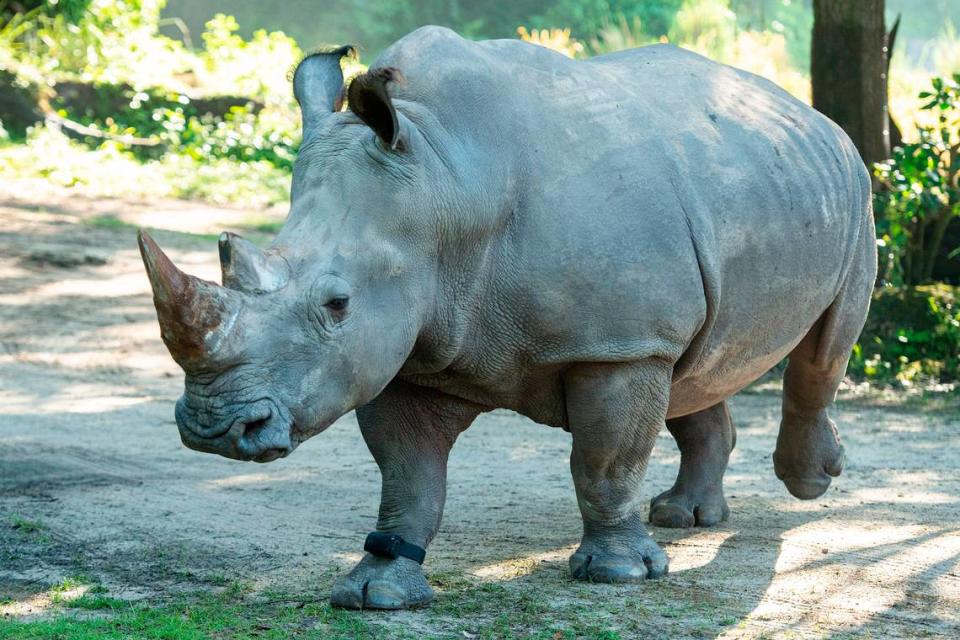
808,455
597,562
380,583
678,510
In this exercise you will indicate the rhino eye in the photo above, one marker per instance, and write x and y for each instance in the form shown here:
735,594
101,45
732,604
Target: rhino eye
338,303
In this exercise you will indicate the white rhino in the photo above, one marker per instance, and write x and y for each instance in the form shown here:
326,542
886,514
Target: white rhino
607,246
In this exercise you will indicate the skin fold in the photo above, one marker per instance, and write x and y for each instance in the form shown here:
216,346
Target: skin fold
610,247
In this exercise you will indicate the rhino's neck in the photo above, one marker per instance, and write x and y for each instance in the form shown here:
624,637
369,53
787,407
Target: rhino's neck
465,269
482,198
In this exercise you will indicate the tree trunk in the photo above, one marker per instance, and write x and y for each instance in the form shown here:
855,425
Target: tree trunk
848,66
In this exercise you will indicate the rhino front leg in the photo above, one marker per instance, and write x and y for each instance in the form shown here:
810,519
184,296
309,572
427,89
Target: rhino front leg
410,431
705,439
615,412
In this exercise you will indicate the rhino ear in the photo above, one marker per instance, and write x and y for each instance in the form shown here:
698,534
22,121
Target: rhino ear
369,100
318,85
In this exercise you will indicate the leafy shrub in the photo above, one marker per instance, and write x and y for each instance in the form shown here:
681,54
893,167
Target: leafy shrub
558,40
589,17
619,35
237,136
172,122
256,67
706,25
71,10
135,85
920,194
912,334
50,155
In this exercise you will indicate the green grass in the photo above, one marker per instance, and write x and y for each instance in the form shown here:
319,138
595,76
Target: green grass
270,227
473,609
97,603
107,221
27,527
465,607
193,618
35,530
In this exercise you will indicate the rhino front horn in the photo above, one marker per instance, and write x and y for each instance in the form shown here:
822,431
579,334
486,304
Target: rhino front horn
194,315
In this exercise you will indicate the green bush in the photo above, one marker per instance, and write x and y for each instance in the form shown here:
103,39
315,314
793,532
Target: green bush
132,87
72,10
173,122
919,193
911,335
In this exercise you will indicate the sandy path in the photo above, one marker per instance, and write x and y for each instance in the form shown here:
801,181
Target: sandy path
88,447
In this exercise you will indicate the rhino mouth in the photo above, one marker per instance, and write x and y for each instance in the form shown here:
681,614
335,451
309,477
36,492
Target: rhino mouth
271,454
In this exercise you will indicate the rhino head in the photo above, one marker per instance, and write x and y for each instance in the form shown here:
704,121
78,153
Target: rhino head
319,323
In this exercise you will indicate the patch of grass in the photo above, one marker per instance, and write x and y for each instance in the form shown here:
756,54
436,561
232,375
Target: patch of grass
33,529
97,602
472,609
59,592
262,225
519,611
198,617
237,589
69,584
449,579
108,221
25,526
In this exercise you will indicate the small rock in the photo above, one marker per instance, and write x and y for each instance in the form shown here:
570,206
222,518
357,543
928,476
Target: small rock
64,259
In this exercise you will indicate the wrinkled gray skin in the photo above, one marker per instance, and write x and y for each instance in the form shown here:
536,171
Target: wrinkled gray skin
607,246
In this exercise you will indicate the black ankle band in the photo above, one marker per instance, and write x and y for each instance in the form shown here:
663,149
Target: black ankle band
392,546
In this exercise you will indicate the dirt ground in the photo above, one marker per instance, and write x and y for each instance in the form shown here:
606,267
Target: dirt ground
94,480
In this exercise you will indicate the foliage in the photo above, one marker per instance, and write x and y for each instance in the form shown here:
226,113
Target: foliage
256,67
588,17
556,39
71,10
791,19
620,35
712,29
141,103
51,156
112,41
920,193
171,121
911,335
708,26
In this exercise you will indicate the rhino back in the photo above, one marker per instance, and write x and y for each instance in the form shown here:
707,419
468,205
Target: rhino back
660,203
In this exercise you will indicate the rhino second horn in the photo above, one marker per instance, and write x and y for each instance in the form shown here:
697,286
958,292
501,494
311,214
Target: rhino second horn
318,85
194,315
246,268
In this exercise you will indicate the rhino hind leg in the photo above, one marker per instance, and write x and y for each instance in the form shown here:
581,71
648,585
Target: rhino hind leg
808,452
615,412
705,440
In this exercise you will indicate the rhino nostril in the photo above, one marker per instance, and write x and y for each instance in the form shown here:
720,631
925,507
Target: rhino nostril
252,427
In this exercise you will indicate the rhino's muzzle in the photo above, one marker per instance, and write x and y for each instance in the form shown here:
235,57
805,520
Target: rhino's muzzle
261,433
